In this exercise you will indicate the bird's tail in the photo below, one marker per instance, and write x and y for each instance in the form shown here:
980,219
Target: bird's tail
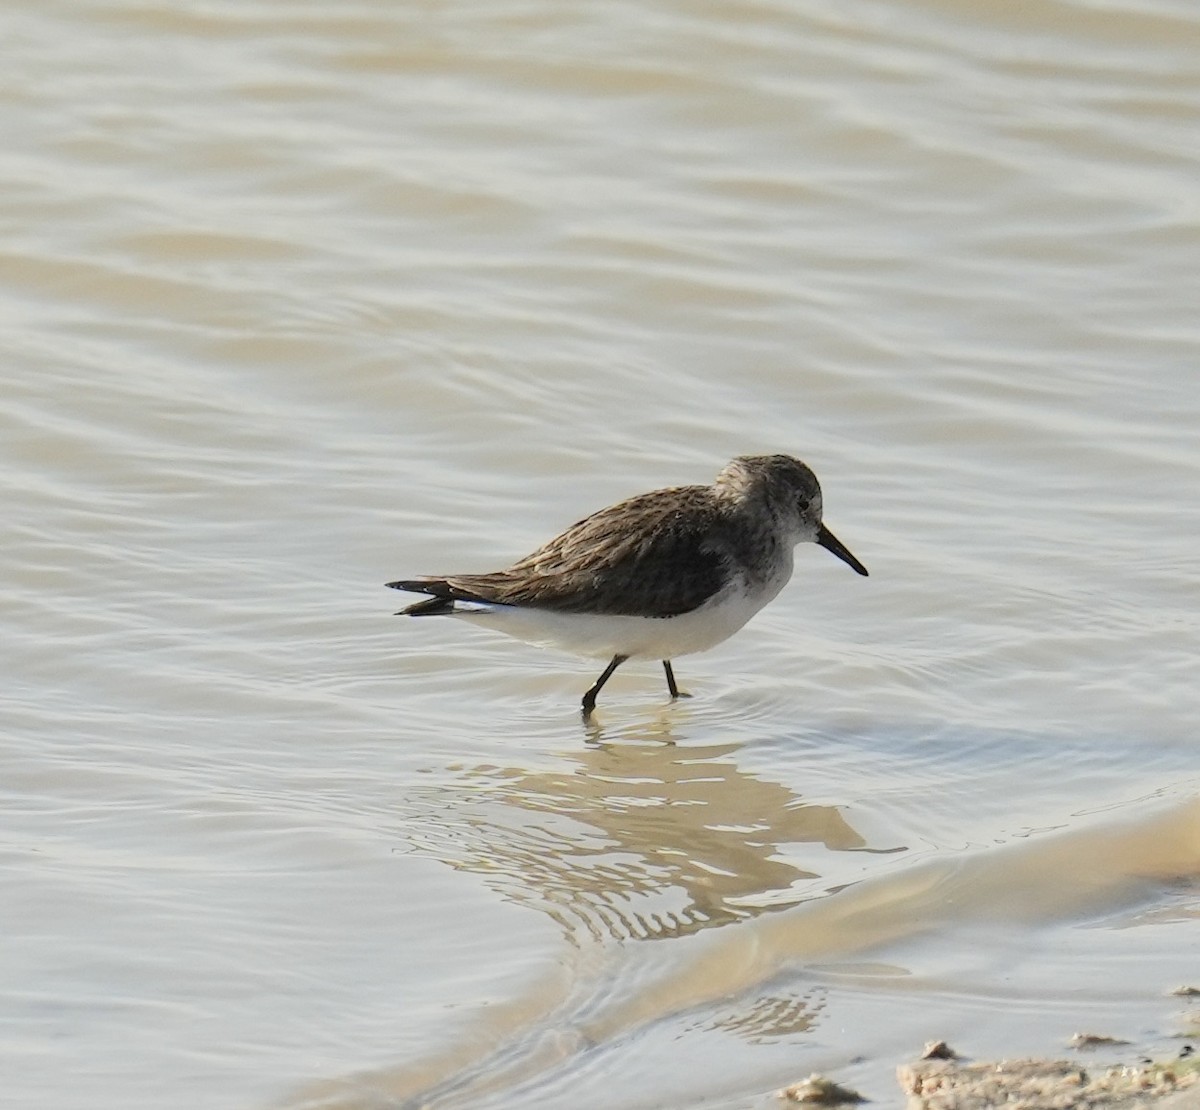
442,600
445,595
430,607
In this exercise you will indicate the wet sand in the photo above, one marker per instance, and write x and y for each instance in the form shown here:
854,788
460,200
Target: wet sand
942,1080
1051,1085
1025,1085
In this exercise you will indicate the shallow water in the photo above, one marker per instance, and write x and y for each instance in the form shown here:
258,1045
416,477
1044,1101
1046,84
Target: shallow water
298,300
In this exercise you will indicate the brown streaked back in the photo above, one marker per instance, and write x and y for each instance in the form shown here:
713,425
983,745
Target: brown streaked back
659,554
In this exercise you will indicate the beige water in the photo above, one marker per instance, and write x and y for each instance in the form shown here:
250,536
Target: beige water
299,297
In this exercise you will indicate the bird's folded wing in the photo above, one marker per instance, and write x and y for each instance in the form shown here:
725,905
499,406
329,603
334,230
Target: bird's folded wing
647,556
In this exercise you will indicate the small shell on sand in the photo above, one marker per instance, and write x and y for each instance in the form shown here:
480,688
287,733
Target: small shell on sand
816,1090
1094,1040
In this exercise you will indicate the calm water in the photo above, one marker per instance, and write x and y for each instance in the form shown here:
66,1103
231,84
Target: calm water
299,298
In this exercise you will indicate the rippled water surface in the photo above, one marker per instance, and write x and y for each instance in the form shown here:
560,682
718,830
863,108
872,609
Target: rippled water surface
300,298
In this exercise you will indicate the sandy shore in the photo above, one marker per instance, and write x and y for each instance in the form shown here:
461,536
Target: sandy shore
1051,1085
941,1081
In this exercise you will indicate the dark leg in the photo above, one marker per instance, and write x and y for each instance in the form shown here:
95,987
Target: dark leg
675,691
589,699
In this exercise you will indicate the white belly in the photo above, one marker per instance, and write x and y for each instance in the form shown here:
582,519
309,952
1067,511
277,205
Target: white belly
605,636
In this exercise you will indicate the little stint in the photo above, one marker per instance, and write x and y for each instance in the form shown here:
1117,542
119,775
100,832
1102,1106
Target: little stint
656,576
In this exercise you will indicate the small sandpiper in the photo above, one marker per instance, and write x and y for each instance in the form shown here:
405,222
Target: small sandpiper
662,574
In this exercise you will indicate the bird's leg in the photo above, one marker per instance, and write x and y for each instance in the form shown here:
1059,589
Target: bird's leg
675,691
589,699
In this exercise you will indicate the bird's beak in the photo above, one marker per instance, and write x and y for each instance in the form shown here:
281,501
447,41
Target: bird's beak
831,543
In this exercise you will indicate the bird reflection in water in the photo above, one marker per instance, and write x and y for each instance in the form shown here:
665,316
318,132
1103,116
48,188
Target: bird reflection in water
642,838
630,837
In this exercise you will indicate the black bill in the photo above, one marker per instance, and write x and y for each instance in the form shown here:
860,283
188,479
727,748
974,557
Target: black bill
831,543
